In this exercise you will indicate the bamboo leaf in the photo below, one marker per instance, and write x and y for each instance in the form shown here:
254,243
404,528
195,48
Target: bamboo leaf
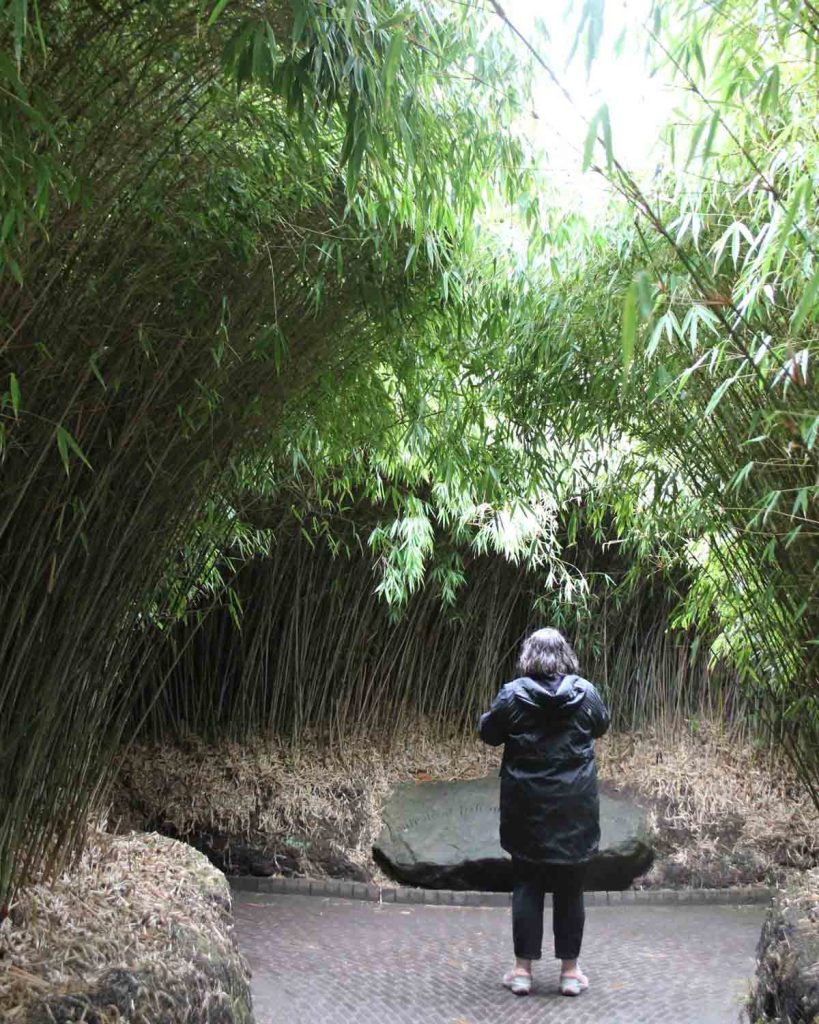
14,389
807,304
218,7
645,294
770,504
742,475
38,24
696,135
66,443
20,11
696,49
628,332
708,148
800,504
391,63
300,15
591,140
96,371
16,272
349,15
607,141
769,100
592,22
62,448
717,396
802,190
396,19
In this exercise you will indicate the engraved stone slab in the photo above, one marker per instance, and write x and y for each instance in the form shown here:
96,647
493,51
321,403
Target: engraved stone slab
444,835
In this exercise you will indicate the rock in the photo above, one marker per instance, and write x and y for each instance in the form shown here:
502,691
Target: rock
787,980
444,835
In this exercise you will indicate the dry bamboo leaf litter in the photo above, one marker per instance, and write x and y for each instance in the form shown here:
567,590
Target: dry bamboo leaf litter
130,895
292,795
725,812
141,904
787,982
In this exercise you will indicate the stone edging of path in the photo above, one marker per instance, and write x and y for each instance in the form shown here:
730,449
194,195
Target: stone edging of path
450,898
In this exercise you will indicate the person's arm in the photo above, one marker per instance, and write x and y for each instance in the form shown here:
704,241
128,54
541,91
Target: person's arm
597,711
493,727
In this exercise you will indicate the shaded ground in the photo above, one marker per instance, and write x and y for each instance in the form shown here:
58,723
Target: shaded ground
327,961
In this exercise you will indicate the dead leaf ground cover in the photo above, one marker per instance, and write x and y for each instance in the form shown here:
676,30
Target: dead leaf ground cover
724,811
140,916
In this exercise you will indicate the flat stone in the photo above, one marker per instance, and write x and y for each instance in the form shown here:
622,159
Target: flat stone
444,835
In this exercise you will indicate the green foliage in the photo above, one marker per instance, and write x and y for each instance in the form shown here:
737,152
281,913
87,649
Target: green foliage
703,454
204,211
255,252
319,653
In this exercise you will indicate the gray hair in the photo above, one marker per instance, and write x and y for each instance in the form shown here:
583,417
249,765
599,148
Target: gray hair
546,654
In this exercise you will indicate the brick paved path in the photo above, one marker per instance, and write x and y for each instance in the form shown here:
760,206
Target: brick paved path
318,960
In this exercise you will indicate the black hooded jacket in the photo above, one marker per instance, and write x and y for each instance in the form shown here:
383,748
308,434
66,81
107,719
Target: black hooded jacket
549,805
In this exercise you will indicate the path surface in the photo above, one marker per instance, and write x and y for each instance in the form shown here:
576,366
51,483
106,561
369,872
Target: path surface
319,960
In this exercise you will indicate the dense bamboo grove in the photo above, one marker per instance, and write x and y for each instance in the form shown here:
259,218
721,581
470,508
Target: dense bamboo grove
661,381
179,261
250,253
720,315
318,653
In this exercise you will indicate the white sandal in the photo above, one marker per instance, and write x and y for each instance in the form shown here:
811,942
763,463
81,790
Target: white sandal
573,984
520,984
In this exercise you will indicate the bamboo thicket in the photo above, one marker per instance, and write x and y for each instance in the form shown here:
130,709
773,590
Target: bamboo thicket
180,260
318,652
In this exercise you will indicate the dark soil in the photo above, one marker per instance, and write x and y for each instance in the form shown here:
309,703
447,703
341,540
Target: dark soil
262,855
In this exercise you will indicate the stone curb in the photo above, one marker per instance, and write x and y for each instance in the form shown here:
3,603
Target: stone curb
739,895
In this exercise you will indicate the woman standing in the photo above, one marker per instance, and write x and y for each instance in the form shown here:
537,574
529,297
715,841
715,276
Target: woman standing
548,718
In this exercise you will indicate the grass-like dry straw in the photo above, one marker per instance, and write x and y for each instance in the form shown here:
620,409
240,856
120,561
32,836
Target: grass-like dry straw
128,903
724,811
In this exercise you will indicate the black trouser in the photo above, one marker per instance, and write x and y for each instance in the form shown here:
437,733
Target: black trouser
531,882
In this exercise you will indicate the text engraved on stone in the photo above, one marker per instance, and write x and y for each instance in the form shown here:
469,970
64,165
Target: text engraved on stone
475,810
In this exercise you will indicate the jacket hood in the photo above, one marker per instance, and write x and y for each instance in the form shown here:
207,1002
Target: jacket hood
557,698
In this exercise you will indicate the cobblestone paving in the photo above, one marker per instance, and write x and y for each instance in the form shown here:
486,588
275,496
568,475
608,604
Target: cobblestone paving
318,960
